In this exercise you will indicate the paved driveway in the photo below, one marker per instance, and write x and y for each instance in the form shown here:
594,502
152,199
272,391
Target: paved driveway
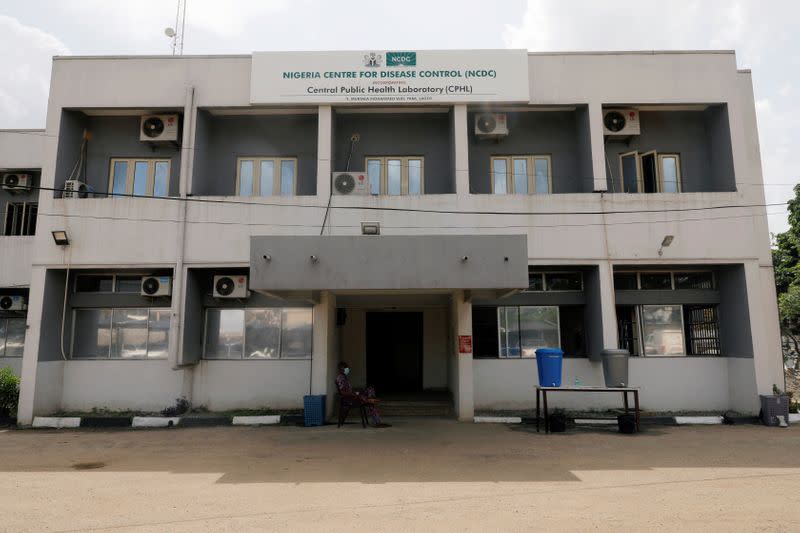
420,475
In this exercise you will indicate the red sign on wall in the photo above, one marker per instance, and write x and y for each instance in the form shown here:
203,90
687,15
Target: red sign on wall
465,344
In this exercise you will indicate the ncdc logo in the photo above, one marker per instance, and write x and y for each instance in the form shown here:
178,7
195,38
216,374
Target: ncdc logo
401,59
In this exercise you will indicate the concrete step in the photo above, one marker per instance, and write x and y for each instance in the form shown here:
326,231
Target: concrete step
441,408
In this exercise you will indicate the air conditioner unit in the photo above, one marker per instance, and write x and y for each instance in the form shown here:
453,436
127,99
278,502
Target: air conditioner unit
13,303
156,286
491,125
17,182
75,189
230,286
621,122
159,128
352,183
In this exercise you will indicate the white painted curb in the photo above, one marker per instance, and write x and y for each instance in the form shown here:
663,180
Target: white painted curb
705,420
56,422
256,420
498,419
154,421
794,417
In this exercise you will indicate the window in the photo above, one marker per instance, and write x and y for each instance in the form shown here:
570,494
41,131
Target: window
20,218
655,281
664,281
396,175
554,281
650,172
521,330
669,329
266,176
12,336
140,177
521,174
120,333
266,333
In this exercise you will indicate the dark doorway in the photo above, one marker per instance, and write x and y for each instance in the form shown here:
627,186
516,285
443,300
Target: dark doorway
394,351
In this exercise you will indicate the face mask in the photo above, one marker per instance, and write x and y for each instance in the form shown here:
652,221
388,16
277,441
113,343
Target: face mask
346,371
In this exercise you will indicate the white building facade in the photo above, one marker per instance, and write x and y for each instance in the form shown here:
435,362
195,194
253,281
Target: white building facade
513,212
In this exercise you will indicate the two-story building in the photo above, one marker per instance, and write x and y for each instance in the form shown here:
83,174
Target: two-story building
228,228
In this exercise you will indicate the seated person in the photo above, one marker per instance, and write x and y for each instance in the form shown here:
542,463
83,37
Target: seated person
358,396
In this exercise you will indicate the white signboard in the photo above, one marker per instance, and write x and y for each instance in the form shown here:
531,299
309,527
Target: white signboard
390,76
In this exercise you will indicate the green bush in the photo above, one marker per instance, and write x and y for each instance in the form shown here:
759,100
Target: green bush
9,392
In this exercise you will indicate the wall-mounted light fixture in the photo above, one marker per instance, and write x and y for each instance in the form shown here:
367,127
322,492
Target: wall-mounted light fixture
314,259
267,258
370,228
60,237
464,258
665,244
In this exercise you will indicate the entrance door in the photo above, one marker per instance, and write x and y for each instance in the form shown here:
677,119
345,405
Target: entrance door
394,351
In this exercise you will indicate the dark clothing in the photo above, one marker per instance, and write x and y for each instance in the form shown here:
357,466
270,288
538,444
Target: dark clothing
346,389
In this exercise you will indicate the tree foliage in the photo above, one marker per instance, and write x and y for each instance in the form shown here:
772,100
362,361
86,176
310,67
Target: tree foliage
786,261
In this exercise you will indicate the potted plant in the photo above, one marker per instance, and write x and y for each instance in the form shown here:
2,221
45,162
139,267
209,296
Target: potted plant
9,396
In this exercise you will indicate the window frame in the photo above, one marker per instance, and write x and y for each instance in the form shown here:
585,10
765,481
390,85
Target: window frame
108,357
404,166
21,226
531,173
4,338
658,157
130,174
673,282
113,276
543,274
242,356
643,332
519,329
277,177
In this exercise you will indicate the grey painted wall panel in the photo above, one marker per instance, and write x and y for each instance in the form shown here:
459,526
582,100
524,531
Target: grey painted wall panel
666,297
734,316
223,139
720,149
389,262
426,134
554,133
70,137
50,327
594,314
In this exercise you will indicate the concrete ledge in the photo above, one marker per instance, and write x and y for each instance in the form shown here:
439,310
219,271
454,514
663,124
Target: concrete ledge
267,420
205,421
154,421
704,420
56,422
794,417
596,421
105,421
498,420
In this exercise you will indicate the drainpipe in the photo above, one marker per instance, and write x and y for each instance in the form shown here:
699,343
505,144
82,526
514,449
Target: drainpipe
179,280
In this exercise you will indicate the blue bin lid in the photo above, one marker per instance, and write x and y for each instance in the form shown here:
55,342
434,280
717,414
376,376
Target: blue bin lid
549,351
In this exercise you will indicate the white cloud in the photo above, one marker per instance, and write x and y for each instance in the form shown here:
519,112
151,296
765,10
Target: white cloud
25,65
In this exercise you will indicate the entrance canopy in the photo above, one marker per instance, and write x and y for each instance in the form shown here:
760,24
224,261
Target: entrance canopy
388,262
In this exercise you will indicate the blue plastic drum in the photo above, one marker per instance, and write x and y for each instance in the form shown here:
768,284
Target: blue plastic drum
549,362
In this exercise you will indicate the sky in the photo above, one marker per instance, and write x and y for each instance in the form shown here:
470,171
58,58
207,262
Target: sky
765,36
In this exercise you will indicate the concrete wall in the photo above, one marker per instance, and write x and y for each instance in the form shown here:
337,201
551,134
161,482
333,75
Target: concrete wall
426,134
222,139
136,385
558,134
275,384
16,256
667,383
734,314
698,136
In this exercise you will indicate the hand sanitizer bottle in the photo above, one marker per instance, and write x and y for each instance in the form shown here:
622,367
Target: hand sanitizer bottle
577,381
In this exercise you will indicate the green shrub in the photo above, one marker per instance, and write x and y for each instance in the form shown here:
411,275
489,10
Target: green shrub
9,392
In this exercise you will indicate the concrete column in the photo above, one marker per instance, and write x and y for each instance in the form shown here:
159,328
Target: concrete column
324,148
598,146
608,305
461,378
324,356
461,149
30,356
764,326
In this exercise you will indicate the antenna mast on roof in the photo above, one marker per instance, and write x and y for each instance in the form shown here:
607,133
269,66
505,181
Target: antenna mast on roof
176,33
